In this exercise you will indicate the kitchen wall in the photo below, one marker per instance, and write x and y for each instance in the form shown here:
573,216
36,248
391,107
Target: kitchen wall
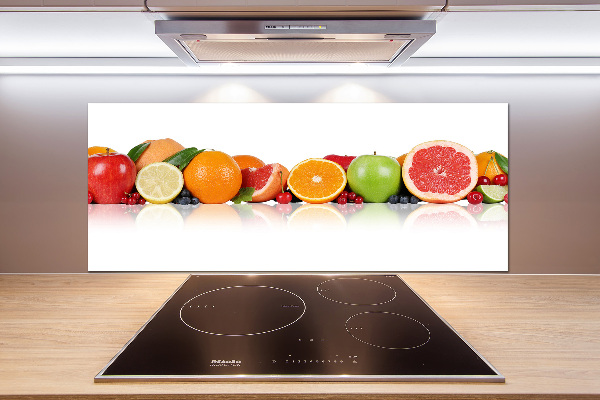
554,125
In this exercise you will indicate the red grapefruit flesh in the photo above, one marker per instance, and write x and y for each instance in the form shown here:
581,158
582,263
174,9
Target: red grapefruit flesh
266,181
440,171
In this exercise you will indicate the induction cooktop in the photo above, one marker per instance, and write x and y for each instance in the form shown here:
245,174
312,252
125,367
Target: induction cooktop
297,328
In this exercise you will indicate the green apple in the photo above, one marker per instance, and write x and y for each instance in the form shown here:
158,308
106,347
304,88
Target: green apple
374,177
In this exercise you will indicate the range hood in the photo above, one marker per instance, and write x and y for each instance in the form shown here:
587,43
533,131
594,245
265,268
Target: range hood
383,42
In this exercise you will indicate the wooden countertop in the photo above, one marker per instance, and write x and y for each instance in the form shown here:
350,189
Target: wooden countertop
542,332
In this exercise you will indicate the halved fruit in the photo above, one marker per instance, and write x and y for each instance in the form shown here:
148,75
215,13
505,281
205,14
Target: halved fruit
267,181
159,183
317,180
492,193
440,171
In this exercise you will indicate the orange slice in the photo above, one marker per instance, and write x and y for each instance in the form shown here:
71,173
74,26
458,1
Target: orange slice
317,180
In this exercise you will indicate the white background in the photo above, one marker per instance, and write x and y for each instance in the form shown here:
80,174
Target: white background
288,134
292,132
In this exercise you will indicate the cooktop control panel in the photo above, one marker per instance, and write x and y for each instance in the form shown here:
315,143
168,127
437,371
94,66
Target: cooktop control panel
297,327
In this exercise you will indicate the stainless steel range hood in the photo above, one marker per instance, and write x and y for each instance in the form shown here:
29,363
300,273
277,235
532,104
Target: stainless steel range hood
384,42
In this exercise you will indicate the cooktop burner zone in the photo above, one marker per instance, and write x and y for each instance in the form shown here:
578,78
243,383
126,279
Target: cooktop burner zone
297,328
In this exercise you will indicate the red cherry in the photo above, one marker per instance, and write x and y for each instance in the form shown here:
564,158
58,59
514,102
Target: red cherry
142,201
501,180
344,194
351,196
342,199
131,201
136,196
506,198
90,198
475,197
483,180
124,199
283,198
358,200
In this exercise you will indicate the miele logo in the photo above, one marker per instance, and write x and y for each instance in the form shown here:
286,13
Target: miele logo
225,363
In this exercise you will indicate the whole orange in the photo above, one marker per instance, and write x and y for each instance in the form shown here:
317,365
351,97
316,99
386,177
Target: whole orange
487,164
157,151
401,159
213,177
99,149
246,161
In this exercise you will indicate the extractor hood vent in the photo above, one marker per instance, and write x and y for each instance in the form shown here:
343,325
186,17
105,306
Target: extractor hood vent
386,42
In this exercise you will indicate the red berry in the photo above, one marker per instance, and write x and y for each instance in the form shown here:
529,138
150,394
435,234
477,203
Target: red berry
501,180
475,197
344,194
342,199
358,206
284,197
359,200
142,201
351,196
506,198
131,201
90,198
483,180
124,199
136,196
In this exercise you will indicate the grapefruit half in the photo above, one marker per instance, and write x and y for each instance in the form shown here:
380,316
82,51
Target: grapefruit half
266,181
440,171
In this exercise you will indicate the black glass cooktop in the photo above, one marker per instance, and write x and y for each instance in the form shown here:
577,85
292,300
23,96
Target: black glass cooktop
297,327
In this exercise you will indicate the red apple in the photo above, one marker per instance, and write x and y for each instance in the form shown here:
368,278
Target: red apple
344,161
110,175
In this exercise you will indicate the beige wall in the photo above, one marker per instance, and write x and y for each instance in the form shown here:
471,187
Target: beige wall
553,146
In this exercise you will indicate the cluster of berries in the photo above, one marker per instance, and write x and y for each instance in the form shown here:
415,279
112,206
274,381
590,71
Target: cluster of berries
185,197
500,180
395,199
349,197
132,199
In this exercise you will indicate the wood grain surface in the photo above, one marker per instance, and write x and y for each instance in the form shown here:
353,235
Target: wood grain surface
542,332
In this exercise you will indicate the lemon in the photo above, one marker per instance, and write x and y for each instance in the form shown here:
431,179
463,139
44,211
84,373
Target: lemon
159,183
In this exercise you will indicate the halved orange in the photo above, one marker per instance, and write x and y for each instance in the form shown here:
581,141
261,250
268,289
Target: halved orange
317,180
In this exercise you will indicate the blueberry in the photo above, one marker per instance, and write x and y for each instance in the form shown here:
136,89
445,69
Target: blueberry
404,199
414,200
184,201
185,193
393,199
195,201
175,200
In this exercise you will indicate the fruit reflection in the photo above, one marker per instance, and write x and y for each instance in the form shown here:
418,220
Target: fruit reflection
316,217
217,217
159,217
433,218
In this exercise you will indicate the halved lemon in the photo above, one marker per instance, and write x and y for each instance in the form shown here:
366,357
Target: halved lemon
159,183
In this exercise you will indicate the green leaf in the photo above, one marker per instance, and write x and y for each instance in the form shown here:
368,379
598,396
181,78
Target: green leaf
245,194
182,159
137,151
502,162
